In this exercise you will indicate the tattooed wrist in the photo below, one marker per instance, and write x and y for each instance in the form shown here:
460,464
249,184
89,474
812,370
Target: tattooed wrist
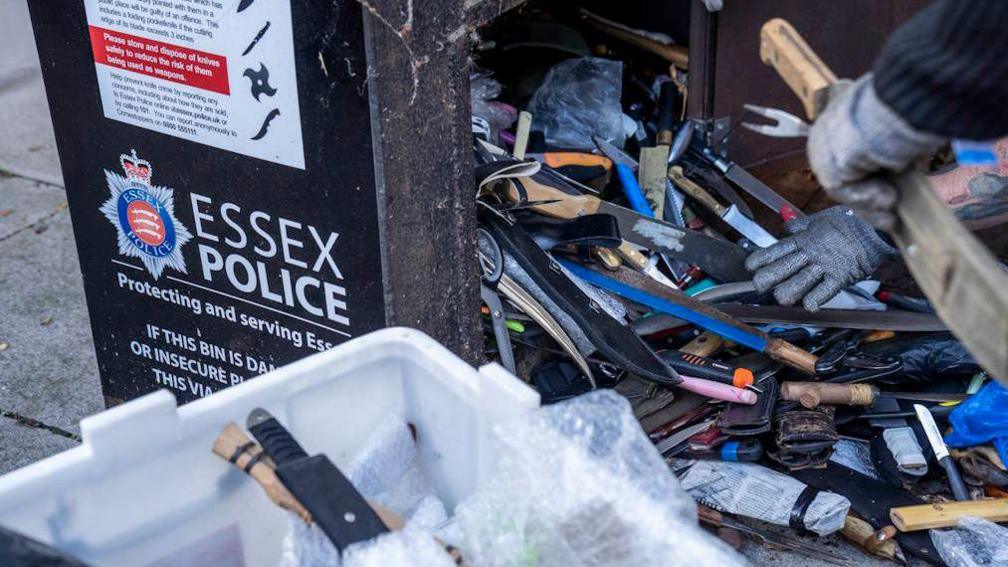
988,197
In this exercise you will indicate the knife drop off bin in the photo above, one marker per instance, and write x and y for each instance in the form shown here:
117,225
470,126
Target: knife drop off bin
144,488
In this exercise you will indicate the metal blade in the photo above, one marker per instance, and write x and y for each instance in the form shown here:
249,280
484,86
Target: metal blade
759,190
748,227
722,260
711,178
844,318
931,430
677,438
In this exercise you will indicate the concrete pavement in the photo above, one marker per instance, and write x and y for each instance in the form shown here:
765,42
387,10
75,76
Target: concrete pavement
48,374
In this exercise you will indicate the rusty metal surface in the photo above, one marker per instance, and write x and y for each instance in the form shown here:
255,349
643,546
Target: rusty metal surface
418,64
481,12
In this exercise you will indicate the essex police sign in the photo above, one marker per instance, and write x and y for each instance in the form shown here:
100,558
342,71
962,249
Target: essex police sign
225,214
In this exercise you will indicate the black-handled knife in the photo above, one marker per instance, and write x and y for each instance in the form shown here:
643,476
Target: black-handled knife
334,503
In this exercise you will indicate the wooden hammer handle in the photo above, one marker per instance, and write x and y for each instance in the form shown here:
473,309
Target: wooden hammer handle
785,50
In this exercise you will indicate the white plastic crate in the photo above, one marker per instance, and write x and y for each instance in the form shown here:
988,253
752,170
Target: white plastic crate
144,488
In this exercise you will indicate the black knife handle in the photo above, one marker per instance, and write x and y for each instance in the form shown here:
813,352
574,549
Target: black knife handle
959,490
667,102
278,443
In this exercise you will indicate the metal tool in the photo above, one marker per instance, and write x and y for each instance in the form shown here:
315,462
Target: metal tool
716,519
665,446
759,190
784,124
635,287
500,328
681,142
941,453
731,214
845,318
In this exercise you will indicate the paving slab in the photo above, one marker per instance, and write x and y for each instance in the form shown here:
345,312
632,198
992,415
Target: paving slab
28,146
24,202
48,370
22,445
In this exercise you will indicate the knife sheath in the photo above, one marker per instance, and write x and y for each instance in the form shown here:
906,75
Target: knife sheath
335,505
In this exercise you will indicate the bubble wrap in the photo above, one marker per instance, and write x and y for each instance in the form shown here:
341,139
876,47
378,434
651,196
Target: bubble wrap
579,484
384,470
758,492
409,546
975,543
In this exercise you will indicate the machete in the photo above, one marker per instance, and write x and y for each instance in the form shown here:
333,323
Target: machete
335,505
637,288
892,320
720,259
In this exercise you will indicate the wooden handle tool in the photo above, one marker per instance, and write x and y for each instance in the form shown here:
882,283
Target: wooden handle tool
947,514
234,446
691,188
783,48
874,542
812,394
963,280
705,344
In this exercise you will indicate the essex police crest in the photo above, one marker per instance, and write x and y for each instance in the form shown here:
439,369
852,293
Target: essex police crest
144,217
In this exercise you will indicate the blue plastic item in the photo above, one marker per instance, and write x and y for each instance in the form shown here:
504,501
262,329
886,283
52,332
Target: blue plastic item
982,419
621,289
633,191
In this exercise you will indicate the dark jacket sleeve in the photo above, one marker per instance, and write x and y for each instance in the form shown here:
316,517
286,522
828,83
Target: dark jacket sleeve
946,69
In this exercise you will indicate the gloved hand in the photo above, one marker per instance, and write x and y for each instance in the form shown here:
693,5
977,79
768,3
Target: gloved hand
855,138
827,252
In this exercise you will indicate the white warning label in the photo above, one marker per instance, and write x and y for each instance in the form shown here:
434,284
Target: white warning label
217,72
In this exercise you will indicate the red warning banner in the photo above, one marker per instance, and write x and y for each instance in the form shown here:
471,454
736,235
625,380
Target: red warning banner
153,58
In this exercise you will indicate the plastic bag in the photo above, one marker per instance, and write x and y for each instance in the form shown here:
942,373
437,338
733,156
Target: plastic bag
981,419
975,543
579,484
489,115
580,98
758,492
937,357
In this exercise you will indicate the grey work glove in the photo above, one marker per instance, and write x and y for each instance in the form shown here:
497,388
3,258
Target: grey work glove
855,138
827,252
